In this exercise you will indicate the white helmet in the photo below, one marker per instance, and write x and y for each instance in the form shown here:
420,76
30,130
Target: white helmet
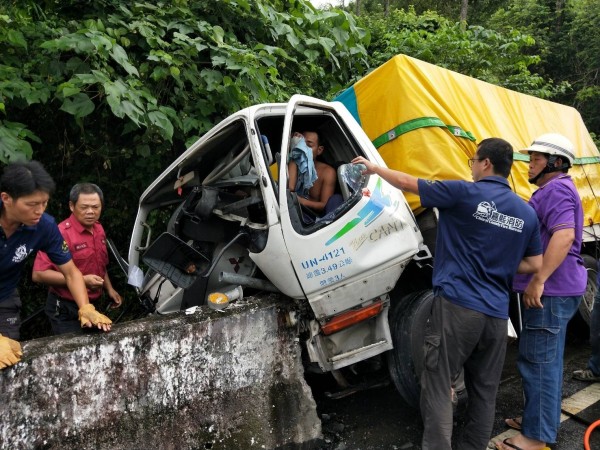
553,144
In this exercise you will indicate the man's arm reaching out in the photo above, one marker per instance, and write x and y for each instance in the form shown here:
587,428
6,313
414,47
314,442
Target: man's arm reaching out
400,180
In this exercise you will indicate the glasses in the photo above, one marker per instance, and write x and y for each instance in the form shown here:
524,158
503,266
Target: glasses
472,161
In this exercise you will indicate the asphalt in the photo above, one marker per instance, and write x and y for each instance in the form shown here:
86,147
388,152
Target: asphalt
377,418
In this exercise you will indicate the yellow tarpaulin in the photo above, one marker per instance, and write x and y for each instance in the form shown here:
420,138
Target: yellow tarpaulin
426,121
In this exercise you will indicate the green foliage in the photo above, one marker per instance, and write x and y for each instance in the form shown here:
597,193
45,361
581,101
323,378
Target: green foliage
112,91
123,80
567,39
14,145
584,53
529,16
478,10
492,56
163,73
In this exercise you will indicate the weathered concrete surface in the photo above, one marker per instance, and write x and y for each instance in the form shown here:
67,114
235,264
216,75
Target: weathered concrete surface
210,380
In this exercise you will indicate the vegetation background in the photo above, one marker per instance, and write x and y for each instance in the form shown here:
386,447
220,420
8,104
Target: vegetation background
112,91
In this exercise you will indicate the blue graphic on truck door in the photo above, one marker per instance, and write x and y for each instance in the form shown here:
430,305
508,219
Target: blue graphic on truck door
368,213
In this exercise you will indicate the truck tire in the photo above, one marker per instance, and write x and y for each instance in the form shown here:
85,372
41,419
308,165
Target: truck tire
407,325
587,304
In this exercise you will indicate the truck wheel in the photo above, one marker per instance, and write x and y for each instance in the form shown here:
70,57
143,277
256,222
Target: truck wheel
586,305
407,324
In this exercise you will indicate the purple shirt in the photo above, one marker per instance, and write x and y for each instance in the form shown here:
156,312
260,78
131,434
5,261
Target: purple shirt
558,207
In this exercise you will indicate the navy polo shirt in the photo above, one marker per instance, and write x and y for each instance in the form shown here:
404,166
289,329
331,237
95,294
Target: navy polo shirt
24,241
484,232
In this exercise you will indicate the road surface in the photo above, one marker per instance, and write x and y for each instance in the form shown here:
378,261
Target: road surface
378,419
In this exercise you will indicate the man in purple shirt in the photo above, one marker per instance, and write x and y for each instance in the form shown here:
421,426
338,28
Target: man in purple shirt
551,296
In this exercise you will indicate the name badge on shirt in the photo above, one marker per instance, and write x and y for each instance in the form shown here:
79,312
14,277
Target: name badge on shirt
80,246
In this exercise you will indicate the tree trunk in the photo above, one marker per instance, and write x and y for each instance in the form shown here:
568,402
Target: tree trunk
560,4
386,8
463,10
357,8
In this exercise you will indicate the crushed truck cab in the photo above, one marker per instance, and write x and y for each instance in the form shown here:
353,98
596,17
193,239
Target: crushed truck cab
223,217
220,222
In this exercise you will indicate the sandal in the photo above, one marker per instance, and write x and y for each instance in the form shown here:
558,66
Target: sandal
585,375
508,444
514,423
502,445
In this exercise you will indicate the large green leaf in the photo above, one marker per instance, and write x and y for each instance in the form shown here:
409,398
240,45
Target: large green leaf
13,146
78,105
132,111
120,55
16,38
163,123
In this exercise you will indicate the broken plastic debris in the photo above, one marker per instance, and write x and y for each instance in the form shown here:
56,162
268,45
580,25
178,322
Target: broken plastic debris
191,310
135,276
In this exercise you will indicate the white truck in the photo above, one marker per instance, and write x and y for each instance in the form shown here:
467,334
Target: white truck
220,222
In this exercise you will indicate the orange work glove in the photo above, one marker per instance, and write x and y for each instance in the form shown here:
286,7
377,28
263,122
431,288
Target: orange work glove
87,313
10,352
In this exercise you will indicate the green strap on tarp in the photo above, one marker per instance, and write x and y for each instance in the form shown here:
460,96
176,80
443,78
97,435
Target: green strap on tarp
587,160
421,122
517,156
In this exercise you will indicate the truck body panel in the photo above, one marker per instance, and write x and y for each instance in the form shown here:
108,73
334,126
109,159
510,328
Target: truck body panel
426,120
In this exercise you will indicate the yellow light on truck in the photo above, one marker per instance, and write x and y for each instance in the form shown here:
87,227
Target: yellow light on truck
220,300
349,318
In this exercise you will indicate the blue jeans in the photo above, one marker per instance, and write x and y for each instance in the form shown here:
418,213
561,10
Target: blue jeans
540,363
594,362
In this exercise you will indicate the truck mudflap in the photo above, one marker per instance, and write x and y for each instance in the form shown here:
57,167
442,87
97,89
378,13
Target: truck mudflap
364,336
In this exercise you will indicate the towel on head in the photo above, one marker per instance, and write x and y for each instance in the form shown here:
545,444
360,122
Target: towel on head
302,155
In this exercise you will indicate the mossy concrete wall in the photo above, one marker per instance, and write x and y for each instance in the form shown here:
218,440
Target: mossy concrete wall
209,380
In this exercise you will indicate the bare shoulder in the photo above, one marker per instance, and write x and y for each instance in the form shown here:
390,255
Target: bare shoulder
325,170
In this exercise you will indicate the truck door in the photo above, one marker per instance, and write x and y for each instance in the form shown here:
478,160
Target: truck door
360,254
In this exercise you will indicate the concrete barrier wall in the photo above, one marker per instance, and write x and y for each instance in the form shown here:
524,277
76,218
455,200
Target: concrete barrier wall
209,380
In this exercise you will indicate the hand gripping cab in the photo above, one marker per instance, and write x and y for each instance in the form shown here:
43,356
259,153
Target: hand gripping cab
221,219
